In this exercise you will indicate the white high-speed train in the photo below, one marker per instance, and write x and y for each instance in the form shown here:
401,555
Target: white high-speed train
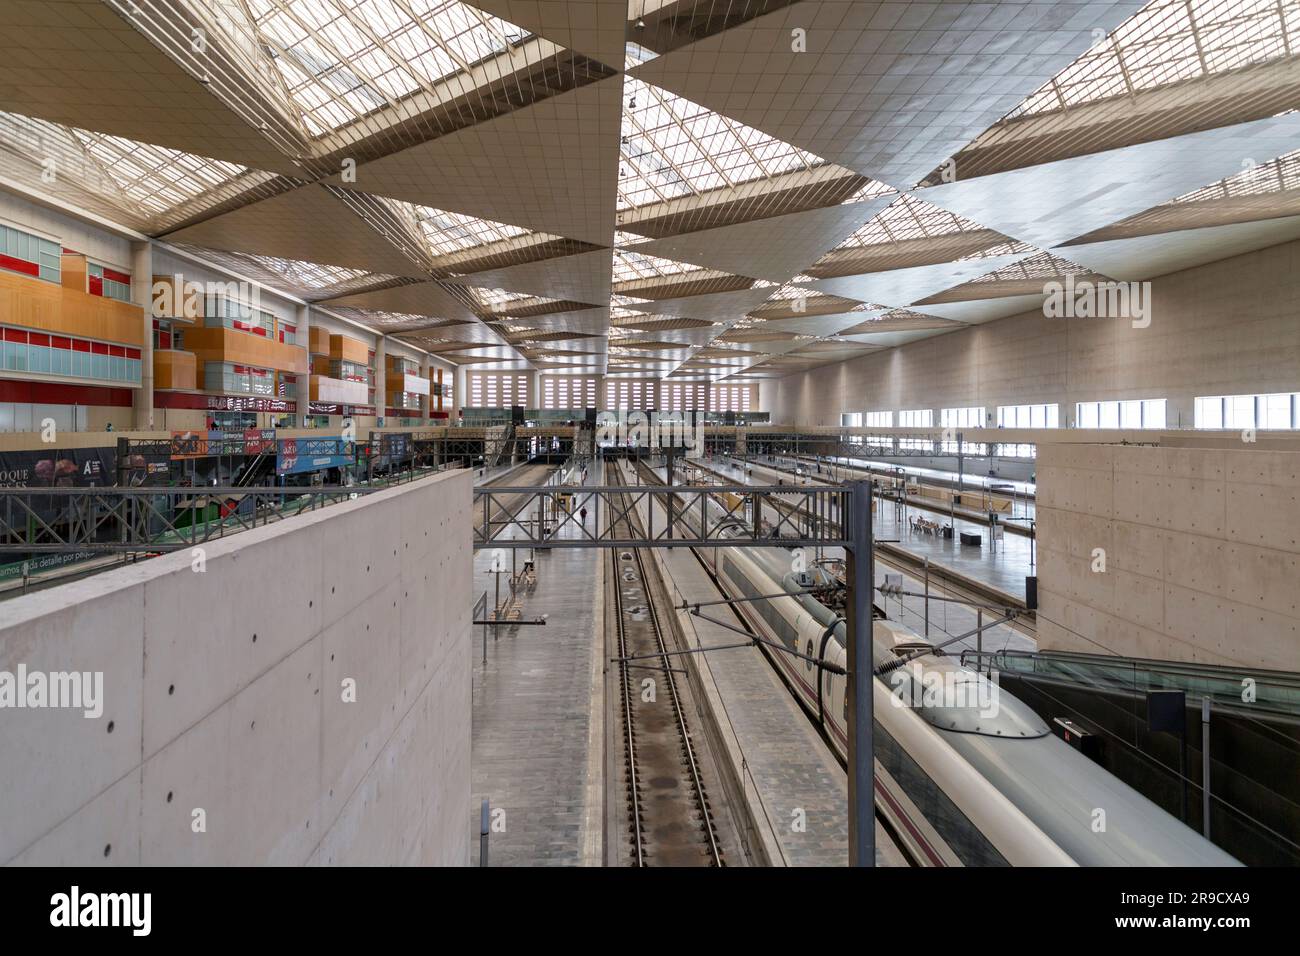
966,774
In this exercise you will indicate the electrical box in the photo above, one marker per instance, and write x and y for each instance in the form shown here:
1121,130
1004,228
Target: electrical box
1086,743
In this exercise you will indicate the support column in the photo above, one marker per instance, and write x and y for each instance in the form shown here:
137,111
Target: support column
303,318
142,295
426,370
861,575
381,378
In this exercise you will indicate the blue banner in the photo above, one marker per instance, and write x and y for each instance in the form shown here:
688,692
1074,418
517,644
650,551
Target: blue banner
296,455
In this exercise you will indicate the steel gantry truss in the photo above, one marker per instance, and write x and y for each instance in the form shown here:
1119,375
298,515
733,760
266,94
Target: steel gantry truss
682,515
721,516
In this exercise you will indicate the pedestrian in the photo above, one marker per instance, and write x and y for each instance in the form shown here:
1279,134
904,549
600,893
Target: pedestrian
583,514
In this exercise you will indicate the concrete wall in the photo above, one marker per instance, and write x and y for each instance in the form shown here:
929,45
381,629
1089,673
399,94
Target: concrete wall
223,692
1220,329
1202,553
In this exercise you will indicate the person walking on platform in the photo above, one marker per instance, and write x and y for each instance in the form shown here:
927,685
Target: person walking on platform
583,514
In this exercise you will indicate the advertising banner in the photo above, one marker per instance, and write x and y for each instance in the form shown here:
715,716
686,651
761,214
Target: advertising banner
148,462
297,455
60,468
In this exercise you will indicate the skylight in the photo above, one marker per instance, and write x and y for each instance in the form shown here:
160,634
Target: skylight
672,147
451,232
630,266
909,218
158,178
1277,175
155,179
340,60
1168,41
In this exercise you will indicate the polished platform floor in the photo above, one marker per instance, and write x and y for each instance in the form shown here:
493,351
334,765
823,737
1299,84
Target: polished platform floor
536,738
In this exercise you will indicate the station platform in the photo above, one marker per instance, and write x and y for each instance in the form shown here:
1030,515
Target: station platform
1022,495
537,728
1004,570
785,765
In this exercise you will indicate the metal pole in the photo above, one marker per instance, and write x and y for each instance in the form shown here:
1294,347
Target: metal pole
862,770
1205,767
927,597
979,640
484,815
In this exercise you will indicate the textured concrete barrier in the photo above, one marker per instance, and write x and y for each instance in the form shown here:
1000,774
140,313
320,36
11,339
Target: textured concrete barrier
296,694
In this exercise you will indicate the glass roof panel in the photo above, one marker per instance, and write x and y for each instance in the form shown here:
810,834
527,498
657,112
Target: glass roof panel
673,147
630,266
1277,175
1168,41
450,232
908,217
340,60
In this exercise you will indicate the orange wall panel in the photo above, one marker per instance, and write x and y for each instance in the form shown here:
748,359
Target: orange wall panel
73,271
174,369
318,340
35,304
347,349
227,345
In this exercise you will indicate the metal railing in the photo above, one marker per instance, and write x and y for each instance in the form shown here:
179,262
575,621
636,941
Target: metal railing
114,519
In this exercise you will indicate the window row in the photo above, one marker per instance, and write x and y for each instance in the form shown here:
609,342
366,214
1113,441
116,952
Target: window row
971,417
230,379
1278,410
30,255
108,283
916,418
564,391
1134,413
45,354
497,389
1029,416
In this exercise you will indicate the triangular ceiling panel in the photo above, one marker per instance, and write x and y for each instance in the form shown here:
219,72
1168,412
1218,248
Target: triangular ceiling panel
1145,257
819,324
420,298
551,166
310,224
899,287
714,306
774,249
1052,203
80,63
581,278
975,311
887,89
586,321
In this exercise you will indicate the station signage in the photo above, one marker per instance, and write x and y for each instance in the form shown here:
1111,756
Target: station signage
333,408
224,403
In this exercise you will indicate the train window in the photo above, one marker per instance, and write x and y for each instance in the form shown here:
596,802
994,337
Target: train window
809,651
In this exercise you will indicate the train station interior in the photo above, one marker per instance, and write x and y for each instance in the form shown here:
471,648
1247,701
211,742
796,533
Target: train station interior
650,433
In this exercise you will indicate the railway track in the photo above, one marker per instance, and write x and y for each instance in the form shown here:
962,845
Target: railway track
670,820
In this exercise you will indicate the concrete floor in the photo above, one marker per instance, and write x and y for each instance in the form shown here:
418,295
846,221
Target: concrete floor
537,736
